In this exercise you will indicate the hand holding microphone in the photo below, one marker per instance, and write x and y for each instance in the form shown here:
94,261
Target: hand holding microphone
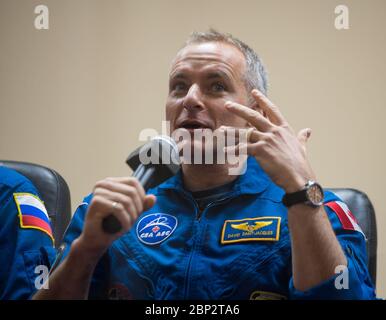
152,163
118,202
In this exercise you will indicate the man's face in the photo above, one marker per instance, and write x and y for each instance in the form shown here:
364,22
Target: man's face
203,77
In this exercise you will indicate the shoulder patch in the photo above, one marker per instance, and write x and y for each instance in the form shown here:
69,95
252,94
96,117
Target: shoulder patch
346,218
155,228
32,213
251,229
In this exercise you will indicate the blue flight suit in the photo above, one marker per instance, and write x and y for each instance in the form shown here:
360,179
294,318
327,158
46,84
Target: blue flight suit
23,243
238,247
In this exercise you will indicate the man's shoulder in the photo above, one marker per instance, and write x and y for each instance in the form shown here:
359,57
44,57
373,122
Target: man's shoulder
13,183
11,179
86,200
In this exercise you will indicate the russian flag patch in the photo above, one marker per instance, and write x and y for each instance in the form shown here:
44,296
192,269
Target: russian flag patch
32,213
346,218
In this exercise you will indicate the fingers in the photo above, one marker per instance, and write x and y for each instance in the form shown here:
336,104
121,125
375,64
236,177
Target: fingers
123,200
130,181
126,185
251,134
105,207
258,120
126,191
253,138
149,201
254,135
304,135
254,149
271,109
252,116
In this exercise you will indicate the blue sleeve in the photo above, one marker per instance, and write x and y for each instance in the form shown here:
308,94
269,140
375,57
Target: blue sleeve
353,282
22,248
99,282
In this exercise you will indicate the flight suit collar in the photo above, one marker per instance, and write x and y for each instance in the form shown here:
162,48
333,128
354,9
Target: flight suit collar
253,181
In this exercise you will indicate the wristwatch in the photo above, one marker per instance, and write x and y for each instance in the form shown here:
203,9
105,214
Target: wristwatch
312,195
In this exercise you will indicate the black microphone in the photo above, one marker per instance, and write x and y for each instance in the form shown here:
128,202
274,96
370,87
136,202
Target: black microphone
152,163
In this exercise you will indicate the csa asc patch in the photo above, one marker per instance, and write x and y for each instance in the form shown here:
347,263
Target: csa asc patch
156,228
251,229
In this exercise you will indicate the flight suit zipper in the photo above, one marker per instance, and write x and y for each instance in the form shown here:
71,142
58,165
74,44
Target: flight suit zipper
198,214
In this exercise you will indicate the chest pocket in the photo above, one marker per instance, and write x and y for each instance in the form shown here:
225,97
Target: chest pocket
135,269
259,266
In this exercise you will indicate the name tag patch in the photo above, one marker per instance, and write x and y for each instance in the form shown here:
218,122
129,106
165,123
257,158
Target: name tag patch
251,229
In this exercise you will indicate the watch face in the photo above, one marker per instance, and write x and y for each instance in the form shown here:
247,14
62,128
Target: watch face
315,194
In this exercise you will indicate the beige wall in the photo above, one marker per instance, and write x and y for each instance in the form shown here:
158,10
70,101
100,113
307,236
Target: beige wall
75,97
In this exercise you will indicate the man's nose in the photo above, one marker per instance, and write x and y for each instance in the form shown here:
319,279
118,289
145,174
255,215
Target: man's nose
193,99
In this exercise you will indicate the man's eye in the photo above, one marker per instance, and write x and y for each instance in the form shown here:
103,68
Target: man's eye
180,86
218,87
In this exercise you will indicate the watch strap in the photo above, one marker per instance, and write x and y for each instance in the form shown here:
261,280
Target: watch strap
290,199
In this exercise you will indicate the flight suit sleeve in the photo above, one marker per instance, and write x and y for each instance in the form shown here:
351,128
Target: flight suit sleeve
26,242
351,282
99,281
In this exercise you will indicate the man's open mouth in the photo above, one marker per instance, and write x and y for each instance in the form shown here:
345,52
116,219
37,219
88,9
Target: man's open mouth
193,125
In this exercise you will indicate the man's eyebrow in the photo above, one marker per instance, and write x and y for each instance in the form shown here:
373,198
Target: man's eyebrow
178,75
218,74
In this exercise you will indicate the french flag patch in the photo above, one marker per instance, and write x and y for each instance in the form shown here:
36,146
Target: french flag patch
32,213
346,218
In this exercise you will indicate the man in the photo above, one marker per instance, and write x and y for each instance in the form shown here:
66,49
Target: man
26,241
205,234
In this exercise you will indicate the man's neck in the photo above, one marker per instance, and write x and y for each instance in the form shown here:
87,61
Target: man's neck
203,177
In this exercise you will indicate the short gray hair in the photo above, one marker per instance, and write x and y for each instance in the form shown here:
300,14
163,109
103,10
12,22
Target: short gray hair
256,75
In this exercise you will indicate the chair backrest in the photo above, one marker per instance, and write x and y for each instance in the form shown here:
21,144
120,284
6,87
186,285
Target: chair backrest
363,210
53,190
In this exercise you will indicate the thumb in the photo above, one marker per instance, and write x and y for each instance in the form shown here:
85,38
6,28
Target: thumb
304,135
150,200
